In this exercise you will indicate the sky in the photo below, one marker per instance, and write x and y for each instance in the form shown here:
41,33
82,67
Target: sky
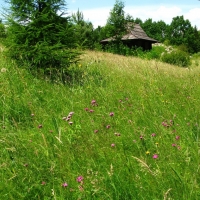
97,11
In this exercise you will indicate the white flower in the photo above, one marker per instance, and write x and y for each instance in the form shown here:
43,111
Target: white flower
3,70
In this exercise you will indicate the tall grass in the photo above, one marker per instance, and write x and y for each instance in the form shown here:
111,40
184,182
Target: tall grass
128,129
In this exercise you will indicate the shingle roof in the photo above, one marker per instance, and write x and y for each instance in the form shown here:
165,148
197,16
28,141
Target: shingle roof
134,32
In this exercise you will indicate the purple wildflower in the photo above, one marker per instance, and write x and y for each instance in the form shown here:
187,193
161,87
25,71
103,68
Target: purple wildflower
64,184
153,134
79,179
141,137
112,145
112,114
155,156
108,126
177,137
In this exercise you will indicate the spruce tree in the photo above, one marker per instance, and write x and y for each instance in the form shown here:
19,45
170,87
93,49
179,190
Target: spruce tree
40,35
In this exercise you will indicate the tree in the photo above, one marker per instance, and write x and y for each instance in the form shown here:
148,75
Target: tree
181,32
83,31
156,30
116,21
41,35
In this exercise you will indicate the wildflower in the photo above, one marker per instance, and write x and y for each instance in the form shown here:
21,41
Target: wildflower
95,131
86,109
173,145
112,145
112,114
141,137
155,156
108,126
117,134
156,143
147,152
165,124
79,179
68,118
70,123
178,147
43,183
64,118
70,114
177,137
64,184
3,70
26,165
153,134
91,111
32,115
40,126
94,103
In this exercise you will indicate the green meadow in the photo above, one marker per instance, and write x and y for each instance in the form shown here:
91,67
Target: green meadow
122,128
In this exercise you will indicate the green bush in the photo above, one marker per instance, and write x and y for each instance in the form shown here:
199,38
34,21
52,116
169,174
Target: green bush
178,57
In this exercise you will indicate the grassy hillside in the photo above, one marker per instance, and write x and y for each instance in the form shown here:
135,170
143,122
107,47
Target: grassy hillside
128,129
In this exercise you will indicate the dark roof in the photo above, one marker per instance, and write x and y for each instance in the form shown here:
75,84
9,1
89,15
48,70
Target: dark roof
134,32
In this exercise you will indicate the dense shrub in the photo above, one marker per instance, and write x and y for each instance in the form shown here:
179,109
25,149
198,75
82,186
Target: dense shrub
178,57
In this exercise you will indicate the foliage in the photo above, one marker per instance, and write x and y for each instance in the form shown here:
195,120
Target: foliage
156,30
39,37
177,57
181,32
83,31
116,21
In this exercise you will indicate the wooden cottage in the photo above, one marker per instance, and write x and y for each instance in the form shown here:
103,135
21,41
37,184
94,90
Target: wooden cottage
135,37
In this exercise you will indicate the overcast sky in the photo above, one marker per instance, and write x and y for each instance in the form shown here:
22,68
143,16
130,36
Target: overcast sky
97,11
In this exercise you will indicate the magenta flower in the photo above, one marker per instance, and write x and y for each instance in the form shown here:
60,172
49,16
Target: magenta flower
91,111
71,113
153,134
64,184
155,156
141,137
86,109
94,103
96,131
173,145
112,145
108,126
112,114
79,179
43,183
177,137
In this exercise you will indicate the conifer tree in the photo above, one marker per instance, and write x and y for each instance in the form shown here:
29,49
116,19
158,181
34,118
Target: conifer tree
41,35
